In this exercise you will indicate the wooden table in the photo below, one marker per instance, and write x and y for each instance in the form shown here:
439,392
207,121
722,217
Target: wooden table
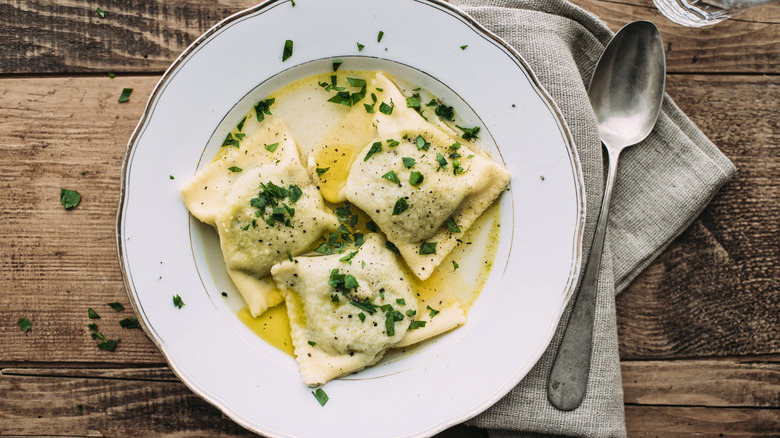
698,330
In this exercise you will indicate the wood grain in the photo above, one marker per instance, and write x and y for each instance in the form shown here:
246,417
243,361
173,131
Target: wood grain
714,291
134,401
69,36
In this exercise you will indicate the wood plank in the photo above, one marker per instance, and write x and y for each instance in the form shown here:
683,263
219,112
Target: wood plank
69,36
58,263
686,422
727,382
54,264
714,291
749,42
135,401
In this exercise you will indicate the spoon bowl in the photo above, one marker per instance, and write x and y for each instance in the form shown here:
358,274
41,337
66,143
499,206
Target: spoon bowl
626,93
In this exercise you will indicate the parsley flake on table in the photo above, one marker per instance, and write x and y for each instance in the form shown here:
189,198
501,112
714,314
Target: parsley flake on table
130,323
117,306
321,397
463,47
101,12
92,314
108,344
360,47
25,325
177,301
125,96
69,198
288,50
111,75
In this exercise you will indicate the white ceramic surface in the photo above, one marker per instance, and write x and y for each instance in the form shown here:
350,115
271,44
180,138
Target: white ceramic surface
164,251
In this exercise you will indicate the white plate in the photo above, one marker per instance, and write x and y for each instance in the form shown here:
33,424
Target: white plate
164,252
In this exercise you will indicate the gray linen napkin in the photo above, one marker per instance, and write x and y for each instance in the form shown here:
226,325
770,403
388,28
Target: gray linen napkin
662,187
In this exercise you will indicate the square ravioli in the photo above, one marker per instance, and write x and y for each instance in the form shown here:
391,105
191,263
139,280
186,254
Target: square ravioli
263,205
345,309
422,187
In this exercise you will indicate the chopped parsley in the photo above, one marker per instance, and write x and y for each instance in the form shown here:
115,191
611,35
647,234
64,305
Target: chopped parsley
111,75
240,125
452,227
376,147
400,301
321,171
445,112
433,313
117,306
413,102
101,12
321,397
130,323
416,324
463,47
416,178
391,316
263,108
428,248
385,108
408,162
270,206
177,301
92,314
379,36
125,96
25,325
362,317
469,133
422,145
360,47
400,206
337,64
289,255
454,265
442,161
392,143
365,306
371,226
230,141
344,97
312,343
348,257
108,344
271,147
235,169
392,177
288,50
391,246
69,198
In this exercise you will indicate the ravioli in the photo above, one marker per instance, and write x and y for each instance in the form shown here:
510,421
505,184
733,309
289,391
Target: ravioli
422,187
346,309
263,204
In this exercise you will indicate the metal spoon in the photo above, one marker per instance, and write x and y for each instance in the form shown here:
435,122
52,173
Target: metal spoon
626,92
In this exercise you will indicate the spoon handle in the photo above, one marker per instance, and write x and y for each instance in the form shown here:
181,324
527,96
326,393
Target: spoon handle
569,375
